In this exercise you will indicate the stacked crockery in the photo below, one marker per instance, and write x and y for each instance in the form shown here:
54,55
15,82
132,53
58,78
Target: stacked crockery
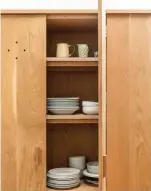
90,107
63,106
78,162
92,173
63,178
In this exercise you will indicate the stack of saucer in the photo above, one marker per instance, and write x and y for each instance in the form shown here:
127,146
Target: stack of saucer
63,178
62,105
92,173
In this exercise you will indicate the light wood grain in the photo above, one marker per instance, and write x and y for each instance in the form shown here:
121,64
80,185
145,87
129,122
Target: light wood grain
128,11
64,140
23,98
72,22
100,122
73,38
65,83
48,11
77,118
82,187
72,62
128,102
72,59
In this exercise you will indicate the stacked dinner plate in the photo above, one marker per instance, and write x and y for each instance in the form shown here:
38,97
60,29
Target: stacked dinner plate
62,105
91,173
63,178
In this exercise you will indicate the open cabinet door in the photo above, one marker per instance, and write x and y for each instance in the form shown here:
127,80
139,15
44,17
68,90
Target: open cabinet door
23,102
128,102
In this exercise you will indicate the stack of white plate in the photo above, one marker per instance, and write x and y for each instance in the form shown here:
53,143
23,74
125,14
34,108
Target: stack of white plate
62,105
90,107
92,173
63,178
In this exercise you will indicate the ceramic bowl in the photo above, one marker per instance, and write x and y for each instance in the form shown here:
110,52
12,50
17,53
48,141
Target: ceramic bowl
89,104
93,167
90,110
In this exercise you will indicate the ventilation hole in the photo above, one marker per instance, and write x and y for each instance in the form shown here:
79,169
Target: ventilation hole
16,42
24,50
16,58
8,50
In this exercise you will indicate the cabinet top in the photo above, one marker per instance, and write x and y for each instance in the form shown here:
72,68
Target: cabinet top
48,11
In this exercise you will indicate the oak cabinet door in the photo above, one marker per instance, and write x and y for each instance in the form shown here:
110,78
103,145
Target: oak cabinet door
129,102
23,102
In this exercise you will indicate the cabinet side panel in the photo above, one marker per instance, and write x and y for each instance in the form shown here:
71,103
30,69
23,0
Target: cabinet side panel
8,107
128,102
29,102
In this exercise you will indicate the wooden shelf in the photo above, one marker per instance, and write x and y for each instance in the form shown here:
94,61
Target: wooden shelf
82,187
72,62
77,118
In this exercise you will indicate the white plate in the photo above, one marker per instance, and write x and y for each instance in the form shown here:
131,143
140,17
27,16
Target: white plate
63,186
92,182
60,104
63,111
64,171
87,174
63,182
63,107
52,177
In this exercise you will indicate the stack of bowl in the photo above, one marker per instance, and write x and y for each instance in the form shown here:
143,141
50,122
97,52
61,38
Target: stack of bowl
78,162
92,173
90,107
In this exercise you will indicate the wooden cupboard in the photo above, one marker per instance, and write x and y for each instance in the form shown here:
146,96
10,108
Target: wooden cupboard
119,136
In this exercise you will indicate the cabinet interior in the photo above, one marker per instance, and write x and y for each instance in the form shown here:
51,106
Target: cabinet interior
71,139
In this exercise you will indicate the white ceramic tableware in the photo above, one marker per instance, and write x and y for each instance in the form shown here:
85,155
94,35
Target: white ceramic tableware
89,103
63,111
63,50
87,174
93,167
63,171
77,162
90,110
92,181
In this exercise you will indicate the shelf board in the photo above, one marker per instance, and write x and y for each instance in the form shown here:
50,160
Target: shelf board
77,118
82,187
72,62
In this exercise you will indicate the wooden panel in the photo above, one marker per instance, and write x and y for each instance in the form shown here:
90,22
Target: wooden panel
64,140
83,187
100,82
72,22
76,118
72,38
128,102
83,84
23,98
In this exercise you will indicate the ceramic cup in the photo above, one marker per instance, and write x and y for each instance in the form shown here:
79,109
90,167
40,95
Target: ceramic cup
63,50
78,162
83,50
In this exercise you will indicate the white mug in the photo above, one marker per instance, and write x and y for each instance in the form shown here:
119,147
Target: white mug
63,50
